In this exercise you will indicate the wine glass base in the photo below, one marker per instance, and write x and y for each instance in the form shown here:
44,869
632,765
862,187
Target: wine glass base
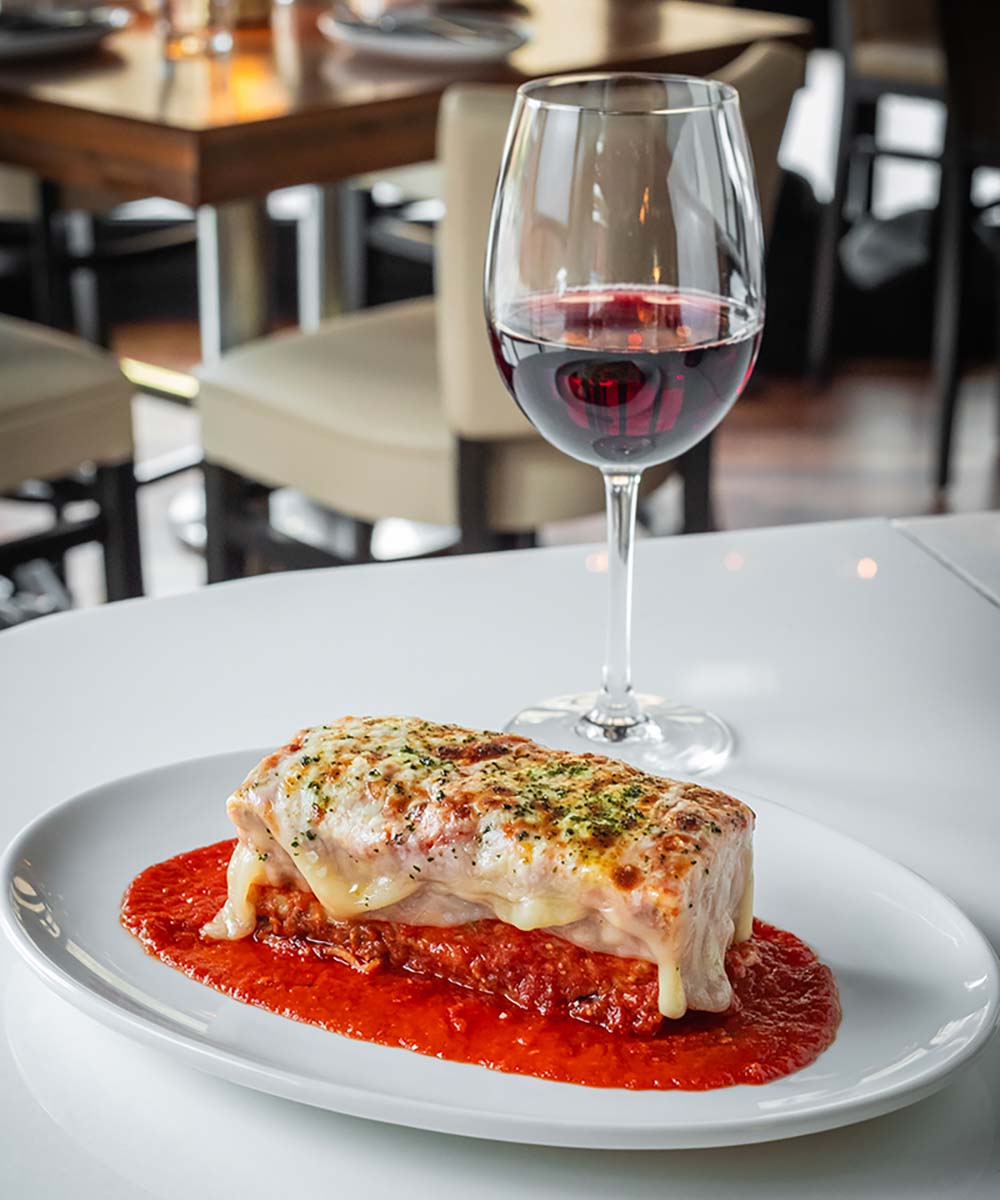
673,738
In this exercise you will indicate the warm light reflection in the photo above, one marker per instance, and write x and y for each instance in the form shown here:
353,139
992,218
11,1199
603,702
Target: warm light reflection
867,568
733,561
597,562
595,298
253,86
159,379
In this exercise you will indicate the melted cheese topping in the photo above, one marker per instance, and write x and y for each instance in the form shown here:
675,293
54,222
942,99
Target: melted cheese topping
432,824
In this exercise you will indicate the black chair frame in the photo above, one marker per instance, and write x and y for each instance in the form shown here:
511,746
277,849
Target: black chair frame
857,152
115,526
970,33
70,255
238,529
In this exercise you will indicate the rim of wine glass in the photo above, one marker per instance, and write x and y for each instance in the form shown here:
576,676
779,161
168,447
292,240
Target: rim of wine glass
718,93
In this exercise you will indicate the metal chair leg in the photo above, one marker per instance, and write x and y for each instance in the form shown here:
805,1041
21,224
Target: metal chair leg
50,301
696,470
956,213
526,540
825,271
225,557
996,351
860,187
116,493
58,561
363,532
473,484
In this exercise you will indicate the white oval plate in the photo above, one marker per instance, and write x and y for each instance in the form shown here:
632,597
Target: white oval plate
495,42
918,984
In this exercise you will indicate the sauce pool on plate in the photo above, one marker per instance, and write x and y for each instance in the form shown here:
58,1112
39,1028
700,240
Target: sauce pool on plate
785,1014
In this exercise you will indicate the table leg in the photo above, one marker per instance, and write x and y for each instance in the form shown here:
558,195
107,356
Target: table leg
232,275
331,281
331,253
232,291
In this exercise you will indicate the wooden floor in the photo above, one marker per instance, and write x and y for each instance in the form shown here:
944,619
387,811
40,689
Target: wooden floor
786,454
862,447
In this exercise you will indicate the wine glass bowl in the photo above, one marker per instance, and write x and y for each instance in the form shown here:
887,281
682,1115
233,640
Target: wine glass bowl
623,378
624,298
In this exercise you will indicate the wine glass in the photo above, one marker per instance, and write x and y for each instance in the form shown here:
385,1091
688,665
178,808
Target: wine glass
625,302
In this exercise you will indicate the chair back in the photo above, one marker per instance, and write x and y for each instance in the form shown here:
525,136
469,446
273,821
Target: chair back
472,128
767,76
887,20
18,195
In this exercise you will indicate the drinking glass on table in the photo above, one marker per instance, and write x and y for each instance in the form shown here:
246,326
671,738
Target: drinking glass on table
193,27
625,301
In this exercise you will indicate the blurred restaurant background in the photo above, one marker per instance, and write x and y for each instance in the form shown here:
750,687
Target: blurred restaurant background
241,256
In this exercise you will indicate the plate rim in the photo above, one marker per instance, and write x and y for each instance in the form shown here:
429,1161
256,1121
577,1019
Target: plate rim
333,31
241,1069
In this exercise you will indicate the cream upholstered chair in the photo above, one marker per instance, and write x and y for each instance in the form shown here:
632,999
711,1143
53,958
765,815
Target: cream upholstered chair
889,47
399,410
767,76
64,404
17,194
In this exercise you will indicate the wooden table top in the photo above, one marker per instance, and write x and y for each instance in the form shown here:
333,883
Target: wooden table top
287,107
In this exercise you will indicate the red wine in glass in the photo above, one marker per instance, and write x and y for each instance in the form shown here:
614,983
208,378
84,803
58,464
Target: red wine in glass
625,377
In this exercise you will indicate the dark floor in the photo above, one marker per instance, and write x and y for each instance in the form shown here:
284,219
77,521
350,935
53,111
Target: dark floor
862,447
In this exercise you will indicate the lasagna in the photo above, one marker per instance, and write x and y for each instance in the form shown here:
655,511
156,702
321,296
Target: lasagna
566,883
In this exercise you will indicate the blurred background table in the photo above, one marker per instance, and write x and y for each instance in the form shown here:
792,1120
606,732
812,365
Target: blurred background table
287,108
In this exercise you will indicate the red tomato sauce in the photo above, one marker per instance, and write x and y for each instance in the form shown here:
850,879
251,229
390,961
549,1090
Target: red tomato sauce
785,1014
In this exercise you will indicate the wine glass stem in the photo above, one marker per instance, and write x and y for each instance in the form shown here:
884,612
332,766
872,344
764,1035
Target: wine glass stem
617,710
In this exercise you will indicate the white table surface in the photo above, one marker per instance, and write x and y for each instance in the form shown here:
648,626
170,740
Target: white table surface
967,543
869,703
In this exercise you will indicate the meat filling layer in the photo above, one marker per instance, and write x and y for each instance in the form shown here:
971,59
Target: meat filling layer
532,970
